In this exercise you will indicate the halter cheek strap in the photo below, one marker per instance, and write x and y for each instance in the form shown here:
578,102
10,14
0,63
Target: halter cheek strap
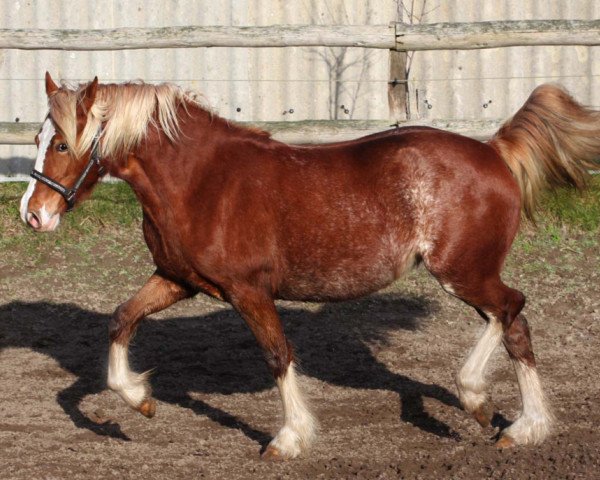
69,193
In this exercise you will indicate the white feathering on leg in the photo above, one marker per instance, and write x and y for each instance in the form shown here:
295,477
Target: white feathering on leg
299,429
535,422
131,386
470,380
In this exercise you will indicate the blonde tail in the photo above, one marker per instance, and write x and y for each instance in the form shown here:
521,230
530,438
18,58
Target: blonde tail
551,141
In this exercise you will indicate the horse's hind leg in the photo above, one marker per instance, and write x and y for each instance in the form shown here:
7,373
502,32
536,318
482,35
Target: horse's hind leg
470,380
501,305
535,420
157,294
258,310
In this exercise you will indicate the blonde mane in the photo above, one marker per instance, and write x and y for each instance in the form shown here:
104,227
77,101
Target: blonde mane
127,111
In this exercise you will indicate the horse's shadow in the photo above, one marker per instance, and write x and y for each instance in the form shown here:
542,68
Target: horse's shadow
216,353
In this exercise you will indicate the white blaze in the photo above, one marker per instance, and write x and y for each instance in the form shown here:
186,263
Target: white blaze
45,137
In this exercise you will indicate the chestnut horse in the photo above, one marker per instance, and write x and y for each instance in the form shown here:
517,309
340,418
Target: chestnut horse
232,213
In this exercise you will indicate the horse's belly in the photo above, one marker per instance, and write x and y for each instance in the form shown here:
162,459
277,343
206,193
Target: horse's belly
341,279
331,289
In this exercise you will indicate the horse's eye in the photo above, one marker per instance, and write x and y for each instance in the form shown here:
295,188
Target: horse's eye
62,147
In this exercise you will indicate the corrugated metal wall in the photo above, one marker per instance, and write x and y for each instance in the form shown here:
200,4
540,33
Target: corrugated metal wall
457,84
270,84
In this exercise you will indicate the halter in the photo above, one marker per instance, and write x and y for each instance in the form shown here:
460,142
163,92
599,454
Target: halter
69,193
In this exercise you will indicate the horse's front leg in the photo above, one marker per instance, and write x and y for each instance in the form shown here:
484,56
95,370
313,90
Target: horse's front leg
157,294
258,310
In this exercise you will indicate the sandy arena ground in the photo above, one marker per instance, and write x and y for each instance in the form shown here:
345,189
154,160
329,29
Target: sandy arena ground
378,371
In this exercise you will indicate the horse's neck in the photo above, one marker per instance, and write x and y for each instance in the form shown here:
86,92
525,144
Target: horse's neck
159,171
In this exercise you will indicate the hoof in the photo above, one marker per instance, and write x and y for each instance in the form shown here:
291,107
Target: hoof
148,408
272,454
505,442
484,413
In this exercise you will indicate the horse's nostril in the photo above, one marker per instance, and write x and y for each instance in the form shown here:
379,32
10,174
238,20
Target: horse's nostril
33,221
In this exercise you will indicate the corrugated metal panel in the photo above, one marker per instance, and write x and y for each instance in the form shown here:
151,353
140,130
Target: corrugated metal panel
457,84
269,84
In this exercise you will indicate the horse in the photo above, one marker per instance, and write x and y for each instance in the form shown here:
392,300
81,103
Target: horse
230,212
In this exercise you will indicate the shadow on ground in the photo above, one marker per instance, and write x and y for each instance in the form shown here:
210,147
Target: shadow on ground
216,353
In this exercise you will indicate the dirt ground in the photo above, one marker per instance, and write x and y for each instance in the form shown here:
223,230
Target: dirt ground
378,371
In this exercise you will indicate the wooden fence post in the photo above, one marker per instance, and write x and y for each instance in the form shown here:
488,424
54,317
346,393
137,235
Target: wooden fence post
398,87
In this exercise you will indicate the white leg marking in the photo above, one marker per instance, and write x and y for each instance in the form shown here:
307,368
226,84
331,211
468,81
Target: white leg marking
131,386
45,138
448,288
299,429
470,380
535,422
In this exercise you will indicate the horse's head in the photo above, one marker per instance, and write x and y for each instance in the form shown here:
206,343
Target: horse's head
68,161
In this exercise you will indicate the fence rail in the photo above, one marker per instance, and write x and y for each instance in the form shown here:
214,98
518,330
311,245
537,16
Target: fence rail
478,35
398,36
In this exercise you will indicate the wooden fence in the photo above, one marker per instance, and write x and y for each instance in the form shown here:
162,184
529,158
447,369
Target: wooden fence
394,37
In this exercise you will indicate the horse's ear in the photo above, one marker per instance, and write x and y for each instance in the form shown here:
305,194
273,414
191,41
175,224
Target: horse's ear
89,95
51,87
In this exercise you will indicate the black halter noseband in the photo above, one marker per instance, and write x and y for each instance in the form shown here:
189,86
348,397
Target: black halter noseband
69,193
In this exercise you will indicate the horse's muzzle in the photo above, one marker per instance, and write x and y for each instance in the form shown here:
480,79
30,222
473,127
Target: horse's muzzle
41,221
